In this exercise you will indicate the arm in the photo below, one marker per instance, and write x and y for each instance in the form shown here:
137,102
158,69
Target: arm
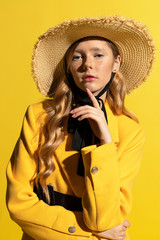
107,199
36,218
109,170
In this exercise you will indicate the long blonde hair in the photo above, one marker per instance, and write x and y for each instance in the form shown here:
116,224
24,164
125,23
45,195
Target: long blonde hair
58,109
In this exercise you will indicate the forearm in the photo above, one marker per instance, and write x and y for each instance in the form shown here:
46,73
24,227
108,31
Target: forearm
107,199
102,186
106,138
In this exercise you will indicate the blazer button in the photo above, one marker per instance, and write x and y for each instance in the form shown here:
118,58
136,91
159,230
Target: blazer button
94,170
71,229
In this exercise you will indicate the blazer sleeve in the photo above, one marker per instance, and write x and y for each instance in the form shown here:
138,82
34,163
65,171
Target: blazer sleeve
36,218
109,174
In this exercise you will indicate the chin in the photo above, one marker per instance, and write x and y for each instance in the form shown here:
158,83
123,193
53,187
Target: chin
95,91
92,88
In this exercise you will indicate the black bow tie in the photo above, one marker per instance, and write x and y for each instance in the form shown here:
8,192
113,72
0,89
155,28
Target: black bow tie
81,129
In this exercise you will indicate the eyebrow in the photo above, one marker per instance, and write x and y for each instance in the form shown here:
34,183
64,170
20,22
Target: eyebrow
92,49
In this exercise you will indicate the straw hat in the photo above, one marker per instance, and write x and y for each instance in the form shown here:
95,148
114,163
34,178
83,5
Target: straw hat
132,38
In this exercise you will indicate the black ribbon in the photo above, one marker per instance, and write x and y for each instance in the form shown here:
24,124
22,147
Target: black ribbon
81,129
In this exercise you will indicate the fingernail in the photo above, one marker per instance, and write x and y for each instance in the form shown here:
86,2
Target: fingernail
71,111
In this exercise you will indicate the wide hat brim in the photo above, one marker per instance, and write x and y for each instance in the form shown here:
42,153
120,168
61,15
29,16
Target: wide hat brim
132,38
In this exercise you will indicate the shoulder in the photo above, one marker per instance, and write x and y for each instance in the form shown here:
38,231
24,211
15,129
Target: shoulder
38,110
35,115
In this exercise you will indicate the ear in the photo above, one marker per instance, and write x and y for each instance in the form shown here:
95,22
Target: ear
116,64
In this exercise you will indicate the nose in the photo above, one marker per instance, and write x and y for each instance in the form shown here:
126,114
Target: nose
87,63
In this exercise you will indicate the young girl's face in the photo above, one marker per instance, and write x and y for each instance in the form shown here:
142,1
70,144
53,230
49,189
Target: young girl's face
92,64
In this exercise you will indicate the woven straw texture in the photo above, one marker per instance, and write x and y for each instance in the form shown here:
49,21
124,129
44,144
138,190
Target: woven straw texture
132,38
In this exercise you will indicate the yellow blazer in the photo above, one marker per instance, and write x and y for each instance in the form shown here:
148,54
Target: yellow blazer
106,195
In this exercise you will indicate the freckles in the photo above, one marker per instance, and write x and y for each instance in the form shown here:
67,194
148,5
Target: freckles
107,65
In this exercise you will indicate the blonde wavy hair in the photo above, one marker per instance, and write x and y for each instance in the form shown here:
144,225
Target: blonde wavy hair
58,109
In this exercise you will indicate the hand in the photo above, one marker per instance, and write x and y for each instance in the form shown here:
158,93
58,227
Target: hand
96,118
115,233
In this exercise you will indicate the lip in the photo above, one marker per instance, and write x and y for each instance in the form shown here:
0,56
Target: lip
88,77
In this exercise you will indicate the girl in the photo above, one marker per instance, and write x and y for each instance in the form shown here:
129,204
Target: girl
71,173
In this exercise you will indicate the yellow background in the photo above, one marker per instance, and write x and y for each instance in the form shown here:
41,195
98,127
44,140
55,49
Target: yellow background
21,24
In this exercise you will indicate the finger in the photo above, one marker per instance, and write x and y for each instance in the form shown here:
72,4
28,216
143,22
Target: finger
122,237
84,112
88,116
85,109
77,109
126,223
93,99
122,233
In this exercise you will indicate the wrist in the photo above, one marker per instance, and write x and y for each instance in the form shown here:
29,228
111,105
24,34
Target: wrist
106,140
